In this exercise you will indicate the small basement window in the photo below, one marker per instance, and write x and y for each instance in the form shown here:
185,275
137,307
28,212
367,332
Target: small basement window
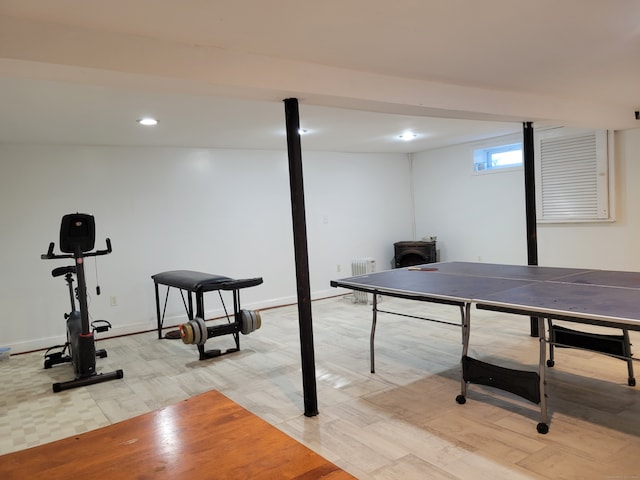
497,157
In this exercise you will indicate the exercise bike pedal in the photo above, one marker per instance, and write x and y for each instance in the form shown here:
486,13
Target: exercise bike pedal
100,326
102,353
56,358
53,356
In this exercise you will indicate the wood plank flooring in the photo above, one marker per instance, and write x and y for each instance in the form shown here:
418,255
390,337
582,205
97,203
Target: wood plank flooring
206,436
399,423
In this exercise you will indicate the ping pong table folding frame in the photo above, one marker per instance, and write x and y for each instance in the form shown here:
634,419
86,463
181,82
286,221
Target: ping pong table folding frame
497,294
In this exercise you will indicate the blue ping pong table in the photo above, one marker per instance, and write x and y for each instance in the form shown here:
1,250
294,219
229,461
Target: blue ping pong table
582,296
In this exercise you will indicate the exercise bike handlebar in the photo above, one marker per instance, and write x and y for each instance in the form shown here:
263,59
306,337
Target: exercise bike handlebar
102,252
50,255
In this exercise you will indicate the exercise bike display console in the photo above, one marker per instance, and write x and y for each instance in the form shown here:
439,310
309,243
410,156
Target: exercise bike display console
77,239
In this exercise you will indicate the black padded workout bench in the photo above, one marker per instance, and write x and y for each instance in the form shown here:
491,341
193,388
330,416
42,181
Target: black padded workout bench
195,331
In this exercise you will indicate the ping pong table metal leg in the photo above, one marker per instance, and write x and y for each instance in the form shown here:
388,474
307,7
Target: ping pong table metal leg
627,351
543,426
373,332
466,327
551,362
465,313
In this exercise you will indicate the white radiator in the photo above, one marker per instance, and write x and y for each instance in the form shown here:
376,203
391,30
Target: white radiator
362,266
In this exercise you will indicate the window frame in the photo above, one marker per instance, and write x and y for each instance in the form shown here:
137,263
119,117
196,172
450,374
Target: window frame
497,145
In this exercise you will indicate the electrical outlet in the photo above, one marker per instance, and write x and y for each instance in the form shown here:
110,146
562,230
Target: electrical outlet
337,267
113,300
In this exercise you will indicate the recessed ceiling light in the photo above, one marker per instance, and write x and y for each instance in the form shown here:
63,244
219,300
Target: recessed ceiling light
406,136
148,121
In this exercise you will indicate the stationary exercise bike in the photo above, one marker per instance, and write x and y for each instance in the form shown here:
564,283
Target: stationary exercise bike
77,239
65,353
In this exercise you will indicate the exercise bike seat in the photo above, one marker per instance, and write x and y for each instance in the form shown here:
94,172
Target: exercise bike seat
58,272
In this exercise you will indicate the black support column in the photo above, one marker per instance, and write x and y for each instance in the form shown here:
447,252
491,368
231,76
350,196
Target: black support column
530,203
292,117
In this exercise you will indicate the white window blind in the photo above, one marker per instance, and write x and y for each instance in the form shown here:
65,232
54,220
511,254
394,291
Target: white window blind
573,177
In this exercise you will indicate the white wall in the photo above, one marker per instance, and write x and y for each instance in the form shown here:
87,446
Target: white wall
226,212
476,217
615,245
483,216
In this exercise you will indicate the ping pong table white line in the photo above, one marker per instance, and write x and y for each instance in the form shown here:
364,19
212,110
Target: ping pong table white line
564,315
600,285
434,268
565,278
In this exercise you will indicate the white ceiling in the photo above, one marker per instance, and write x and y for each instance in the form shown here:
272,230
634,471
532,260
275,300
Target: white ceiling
66,113
214,72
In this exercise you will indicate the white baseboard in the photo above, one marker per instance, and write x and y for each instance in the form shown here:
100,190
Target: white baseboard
170,321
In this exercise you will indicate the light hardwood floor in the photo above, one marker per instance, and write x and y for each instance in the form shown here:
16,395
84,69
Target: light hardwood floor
174,443
399,423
